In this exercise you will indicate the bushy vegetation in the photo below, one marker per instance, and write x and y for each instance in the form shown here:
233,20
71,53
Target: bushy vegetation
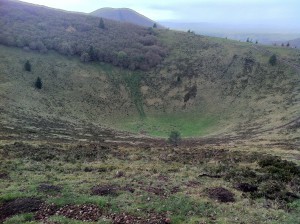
273,60
42,29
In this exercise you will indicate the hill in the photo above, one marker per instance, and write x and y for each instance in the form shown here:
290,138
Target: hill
295,43
173,80
124,15
42,29
264,34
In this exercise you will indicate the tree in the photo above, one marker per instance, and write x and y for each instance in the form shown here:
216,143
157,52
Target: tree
92,54
174,138
288,44
27,66
273,60
38,83
154,25
248,40
101,24
85,57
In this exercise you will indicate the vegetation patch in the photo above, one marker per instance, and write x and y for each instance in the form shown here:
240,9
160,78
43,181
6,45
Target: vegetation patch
49,188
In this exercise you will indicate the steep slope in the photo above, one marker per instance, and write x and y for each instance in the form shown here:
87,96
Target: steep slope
202,85
124,15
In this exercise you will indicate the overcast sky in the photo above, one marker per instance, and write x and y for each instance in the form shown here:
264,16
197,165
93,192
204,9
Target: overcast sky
277,12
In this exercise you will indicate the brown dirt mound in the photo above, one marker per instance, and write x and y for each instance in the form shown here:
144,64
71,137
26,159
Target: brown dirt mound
46,211
105,190
81,212
18,206
151,219
221,194
245,187
88,213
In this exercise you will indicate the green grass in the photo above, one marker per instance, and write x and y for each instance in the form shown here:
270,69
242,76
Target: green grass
22,218
189,125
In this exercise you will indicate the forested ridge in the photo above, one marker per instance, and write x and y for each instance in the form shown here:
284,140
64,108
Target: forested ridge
41,28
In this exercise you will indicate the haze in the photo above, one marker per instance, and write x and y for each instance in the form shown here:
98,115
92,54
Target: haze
274,13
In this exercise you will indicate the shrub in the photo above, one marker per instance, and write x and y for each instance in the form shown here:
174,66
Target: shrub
85,57
175,138
273,60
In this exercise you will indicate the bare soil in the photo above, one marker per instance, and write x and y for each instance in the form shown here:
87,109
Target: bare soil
221,194
18,206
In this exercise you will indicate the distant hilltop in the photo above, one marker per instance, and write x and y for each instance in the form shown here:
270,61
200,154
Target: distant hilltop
125,15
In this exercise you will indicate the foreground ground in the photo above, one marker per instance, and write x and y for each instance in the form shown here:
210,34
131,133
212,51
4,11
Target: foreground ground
144,180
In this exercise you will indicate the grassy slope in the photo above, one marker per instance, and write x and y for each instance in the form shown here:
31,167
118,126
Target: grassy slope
79,92
228,96
231,94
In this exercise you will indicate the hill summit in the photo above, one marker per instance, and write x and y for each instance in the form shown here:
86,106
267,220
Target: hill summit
124,15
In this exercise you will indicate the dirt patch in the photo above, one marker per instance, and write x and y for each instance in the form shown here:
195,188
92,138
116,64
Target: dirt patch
48,188
151,219
112,190
4,176
246,187
221,194
106,190
193,184
81,212
18,206
159,191
45,211
87,213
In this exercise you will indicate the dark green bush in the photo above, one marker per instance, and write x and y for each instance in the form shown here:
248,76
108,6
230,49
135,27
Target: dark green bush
273,60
